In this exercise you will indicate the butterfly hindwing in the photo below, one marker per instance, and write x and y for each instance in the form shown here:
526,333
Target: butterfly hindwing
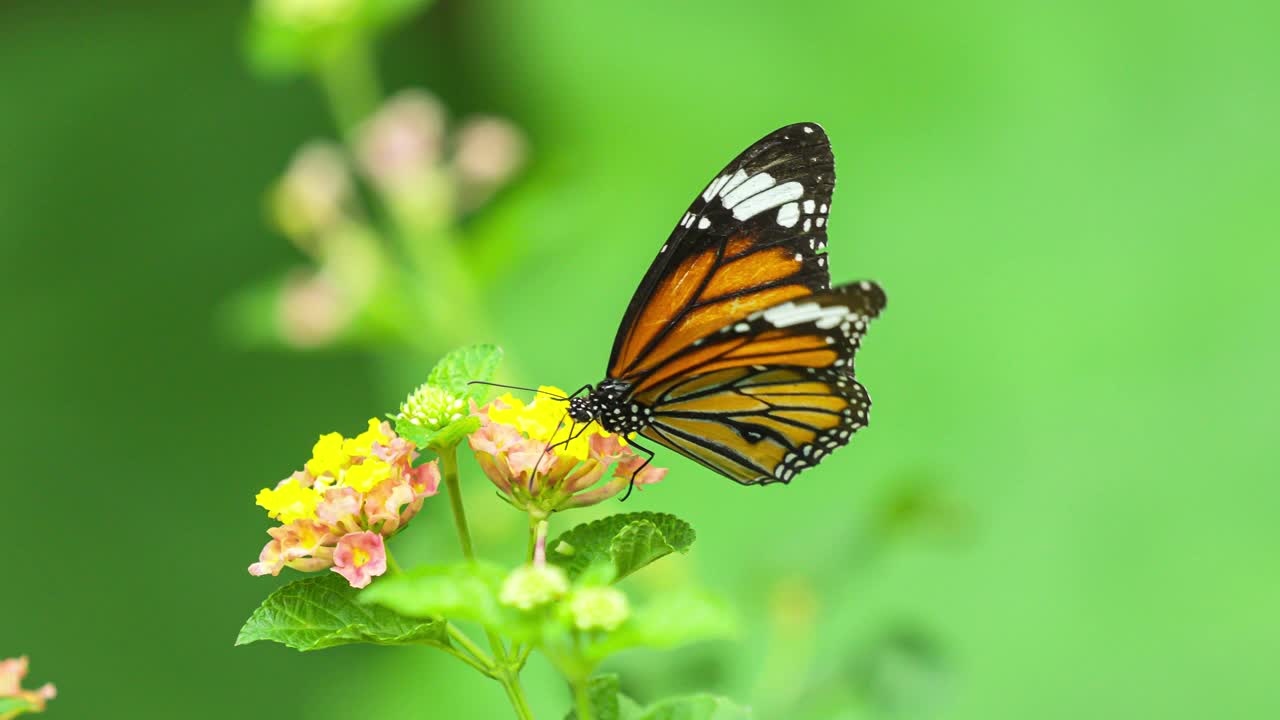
754,238
760,425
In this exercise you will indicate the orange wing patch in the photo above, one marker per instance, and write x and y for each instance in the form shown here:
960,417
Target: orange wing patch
704,294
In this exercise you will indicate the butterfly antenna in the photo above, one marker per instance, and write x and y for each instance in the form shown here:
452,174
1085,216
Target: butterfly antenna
517,387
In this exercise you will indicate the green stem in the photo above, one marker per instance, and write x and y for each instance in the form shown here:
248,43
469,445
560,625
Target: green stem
507,672
583,700
456,634
392,565
449,471
351,87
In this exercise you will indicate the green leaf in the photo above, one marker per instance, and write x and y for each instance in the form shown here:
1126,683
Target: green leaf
15,705
628,541
467,591
461,366
673,619
453,433
695,707
607,703
437,440
322,612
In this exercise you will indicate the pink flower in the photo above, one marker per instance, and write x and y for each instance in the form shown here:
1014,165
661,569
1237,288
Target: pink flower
270,560
520,449
12,671
360,557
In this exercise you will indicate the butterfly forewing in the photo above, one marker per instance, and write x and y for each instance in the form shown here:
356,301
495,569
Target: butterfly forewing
753,239
817,330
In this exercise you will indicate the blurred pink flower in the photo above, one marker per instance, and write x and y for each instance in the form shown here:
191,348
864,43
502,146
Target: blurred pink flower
489,152
12,672
402,141
360,557
315,193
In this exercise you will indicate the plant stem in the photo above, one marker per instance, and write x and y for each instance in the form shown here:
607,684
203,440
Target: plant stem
351,87
506,671
392,565
583,700
449,470
456,634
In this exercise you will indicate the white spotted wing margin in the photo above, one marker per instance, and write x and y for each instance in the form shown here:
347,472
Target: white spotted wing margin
764,423
777,192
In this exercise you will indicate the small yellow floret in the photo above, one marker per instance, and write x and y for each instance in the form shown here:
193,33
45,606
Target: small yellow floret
362,444
365,476
291,501
327,456
545,420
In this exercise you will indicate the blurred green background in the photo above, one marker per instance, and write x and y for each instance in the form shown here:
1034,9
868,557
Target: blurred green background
1074,209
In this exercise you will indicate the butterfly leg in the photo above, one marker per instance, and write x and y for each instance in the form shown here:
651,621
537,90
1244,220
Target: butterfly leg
572,436
643,465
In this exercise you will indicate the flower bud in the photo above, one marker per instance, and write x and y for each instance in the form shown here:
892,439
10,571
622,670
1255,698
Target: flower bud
402,142
599,608
489,152
531,586
431,408
314,193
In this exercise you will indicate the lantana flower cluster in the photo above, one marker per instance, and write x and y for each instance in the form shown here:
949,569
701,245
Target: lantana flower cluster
12,671
351,495
542,464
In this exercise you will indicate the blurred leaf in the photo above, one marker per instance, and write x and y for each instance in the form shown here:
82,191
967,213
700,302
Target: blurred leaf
696,707
466,591
607,703
461,366
672,619
322,612
628,541
15,705
287,36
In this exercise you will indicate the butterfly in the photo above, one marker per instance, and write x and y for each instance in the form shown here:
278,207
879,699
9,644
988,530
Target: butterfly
735,351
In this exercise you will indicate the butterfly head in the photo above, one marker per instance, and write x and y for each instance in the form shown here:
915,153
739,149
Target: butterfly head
583,409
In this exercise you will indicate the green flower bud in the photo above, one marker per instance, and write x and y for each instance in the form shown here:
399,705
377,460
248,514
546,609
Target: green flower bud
531,586
431,408
599,608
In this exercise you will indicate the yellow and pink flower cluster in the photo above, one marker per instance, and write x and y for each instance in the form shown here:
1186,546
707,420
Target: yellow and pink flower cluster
12,671
543,464
337,510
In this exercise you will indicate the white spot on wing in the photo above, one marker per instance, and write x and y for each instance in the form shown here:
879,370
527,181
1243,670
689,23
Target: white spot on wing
771,198
756,183
808,129
714,188
789,313
808,207
704,223
788,215
808,224
737,179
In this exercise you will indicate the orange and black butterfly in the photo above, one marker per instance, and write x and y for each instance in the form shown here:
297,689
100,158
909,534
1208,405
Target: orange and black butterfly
736,351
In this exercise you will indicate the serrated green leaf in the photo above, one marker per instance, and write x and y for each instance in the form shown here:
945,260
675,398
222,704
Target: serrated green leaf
461,366
637,544
669,620
696,707
467,591
322,612
605,700
628,541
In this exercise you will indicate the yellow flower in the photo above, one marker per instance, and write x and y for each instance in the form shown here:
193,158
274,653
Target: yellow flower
290,501
544,420
328,456
365,476
362,444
